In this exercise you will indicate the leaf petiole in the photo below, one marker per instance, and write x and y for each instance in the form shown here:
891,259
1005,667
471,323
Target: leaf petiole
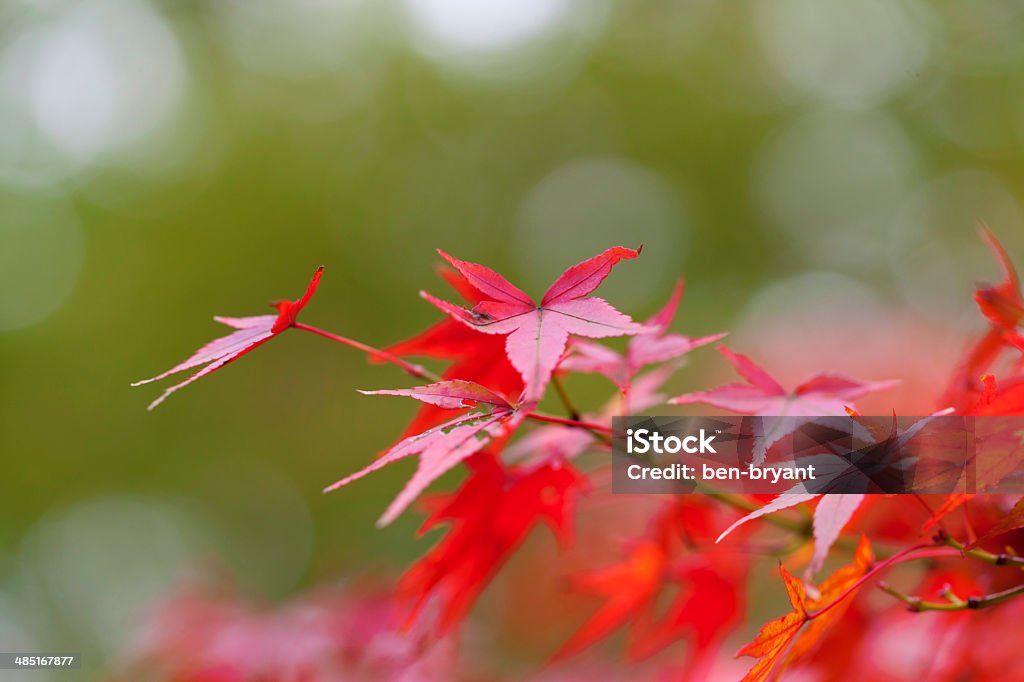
415,370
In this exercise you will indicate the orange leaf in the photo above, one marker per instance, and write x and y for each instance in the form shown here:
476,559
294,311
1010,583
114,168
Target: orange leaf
834,587
784,633
776,636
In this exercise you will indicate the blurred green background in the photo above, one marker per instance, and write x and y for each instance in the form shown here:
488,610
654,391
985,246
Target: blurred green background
812,167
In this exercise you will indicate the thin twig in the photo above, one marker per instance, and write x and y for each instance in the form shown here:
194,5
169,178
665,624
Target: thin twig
984,555
916,605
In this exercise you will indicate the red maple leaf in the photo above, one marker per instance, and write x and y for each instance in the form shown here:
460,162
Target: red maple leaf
1003,307
251,332
1001,303
643,349
537,334
710,586
444,446
490,515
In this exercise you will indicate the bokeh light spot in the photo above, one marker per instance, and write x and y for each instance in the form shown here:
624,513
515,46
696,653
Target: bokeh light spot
603,202
847,52
102,76
41,257
830,183
466,25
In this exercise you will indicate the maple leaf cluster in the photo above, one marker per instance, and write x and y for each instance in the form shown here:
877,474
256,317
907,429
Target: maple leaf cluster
679,583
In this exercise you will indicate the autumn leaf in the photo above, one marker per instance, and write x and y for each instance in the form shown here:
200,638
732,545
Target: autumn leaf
251,333
780,502
830,517
627,587
822,395
444,446
949,505
784,640
1001,303
1013,520
835,587
1003,307
776,636
708,586
536,334
474,356
489,516
644,349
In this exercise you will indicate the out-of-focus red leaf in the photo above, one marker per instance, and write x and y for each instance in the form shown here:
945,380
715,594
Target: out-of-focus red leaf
628,588
710,584
1000,303
1013,520
1003,307
201,635
490,515
951,504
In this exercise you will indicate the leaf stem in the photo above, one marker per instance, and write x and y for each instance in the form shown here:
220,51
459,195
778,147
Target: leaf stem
589,426
563,395
415,370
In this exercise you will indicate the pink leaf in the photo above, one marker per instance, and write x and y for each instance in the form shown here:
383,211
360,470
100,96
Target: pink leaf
444,446
252,332
537,334
644,349
830,517
784,501
752,372
451,395
822,395
647,349
662,319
